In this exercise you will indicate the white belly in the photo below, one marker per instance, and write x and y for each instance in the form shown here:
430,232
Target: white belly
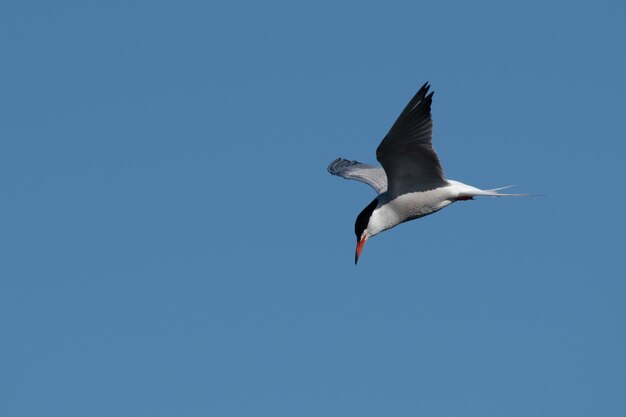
408,207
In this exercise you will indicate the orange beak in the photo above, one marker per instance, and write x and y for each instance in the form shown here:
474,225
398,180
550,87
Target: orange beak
359,248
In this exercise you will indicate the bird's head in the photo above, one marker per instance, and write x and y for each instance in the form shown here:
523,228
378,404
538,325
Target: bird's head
360,228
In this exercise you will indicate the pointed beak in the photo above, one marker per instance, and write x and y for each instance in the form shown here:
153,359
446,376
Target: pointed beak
359,248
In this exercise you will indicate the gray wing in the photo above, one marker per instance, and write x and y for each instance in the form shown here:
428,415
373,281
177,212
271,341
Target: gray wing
373,176
407,153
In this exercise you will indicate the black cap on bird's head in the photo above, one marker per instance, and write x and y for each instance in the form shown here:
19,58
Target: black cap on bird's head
360,226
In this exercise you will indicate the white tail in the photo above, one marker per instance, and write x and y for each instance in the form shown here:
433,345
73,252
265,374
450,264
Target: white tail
467,191
494,193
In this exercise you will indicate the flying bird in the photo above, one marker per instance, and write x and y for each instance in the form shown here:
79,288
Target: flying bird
411,183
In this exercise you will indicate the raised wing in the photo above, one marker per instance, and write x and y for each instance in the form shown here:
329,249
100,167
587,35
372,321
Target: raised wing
407,153
373,176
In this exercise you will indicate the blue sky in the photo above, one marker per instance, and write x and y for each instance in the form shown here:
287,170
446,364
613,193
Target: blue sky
172,244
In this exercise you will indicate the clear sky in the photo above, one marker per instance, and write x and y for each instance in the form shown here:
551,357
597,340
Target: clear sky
172,245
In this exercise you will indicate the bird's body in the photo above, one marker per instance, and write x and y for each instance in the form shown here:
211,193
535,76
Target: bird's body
411,183
393,210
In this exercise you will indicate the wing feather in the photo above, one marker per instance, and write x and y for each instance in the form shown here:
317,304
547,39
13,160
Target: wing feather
371,175
406,153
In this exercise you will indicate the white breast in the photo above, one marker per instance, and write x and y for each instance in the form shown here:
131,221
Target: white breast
407,207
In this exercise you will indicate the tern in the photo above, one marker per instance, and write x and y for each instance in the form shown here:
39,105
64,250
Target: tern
411,183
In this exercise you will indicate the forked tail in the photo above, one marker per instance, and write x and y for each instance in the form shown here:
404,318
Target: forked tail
468,192
494,192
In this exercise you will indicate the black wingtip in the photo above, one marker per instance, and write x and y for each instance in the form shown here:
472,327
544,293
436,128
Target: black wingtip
424,89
